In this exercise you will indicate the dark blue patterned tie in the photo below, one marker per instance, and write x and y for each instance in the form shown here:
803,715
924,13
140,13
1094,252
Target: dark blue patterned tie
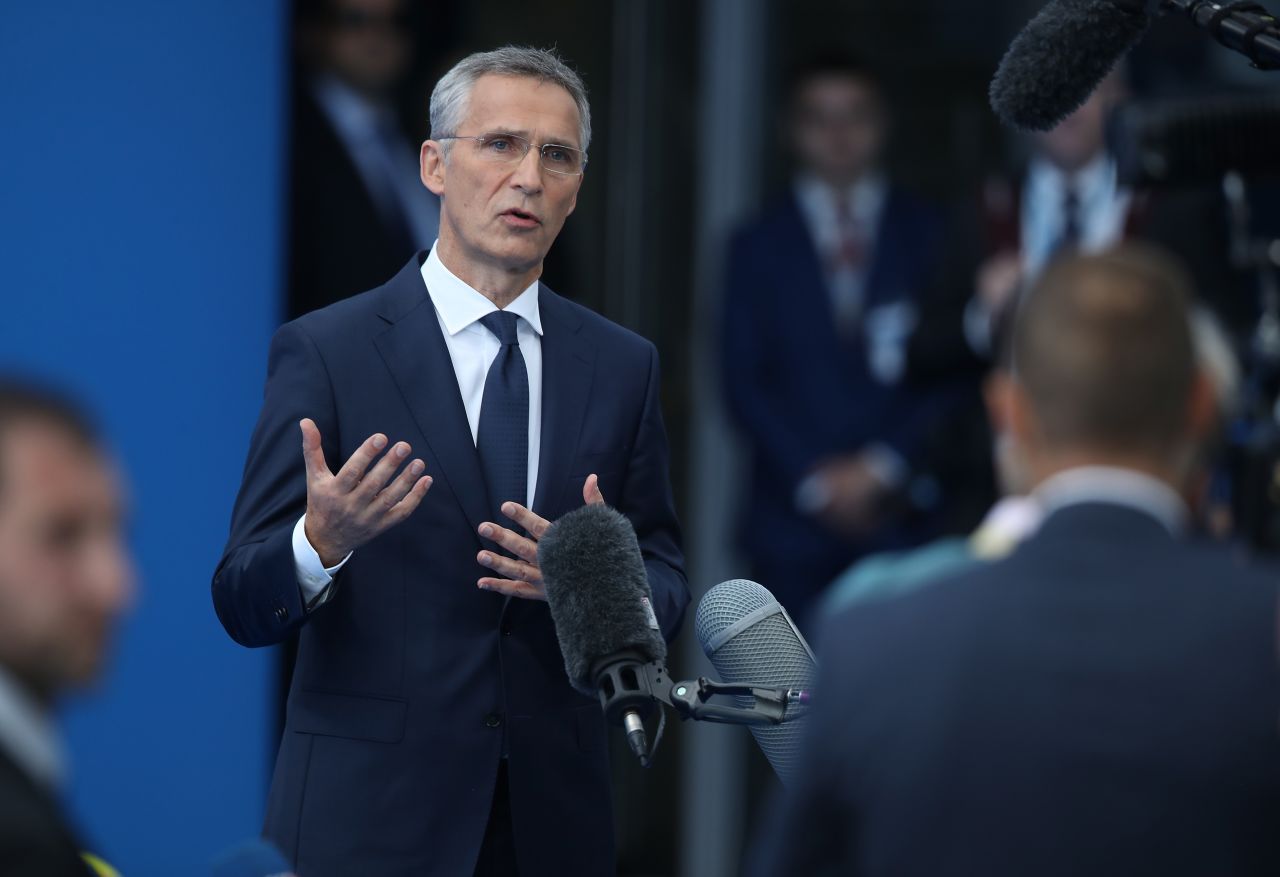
502,439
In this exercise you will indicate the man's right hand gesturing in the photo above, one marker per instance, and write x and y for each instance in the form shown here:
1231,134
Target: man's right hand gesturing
347,510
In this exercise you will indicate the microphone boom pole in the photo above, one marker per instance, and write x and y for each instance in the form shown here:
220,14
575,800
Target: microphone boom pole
1247,28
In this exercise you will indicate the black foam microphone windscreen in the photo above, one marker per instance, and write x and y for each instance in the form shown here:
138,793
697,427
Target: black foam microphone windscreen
750,639
1059,58
598,591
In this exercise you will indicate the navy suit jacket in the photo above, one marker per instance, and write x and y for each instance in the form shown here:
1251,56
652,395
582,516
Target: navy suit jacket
409,678
799,390
35,840
1103,702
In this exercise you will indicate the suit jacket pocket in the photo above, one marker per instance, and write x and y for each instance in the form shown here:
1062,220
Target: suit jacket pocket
358,717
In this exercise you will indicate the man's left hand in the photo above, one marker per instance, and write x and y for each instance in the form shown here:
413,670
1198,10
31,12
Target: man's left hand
523,578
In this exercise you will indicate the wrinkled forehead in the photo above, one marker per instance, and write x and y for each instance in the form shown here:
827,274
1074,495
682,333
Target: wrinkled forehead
525,106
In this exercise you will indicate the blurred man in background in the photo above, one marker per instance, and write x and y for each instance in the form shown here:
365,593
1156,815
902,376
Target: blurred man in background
357,208
1066,200
65,578
821,295
1105,700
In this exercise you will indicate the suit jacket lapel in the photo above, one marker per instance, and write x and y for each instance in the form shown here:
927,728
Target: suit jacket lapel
414,351
567,366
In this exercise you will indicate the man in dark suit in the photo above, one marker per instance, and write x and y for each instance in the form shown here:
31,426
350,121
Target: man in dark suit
357,209
1067,199
820,297
431,727
1105,700
64,580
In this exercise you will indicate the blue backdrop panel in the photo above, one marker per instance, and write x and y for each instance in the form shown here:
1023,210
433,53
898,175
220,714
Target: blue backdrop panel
140,240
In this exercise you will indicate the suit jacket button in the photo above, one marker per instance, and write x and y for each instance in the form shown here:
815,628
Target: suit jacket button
506,630
282,613
493,720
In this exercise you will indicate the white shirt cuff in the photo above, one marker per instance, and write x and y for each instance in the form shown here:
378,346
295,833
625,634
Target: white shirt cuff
887,465
977,327
314,577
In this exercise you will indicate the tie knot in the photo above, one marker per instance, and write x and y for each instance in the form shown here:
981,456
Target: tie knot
503,325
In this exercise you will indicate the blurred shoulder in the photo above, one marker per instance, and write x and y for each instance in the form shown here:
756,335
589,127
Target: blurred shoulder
950,606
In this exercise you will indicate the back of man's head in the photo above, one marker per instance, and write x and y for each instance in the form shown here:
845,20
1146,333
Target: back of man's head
65,575
1103,350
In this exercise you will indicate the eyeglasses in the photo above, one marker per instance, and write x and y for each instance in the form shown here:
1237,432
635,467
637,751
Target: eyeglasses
508,149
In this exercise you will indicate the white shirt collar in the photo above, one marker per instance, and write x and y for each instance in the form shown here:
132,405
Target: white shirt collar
1097,179
866,197
29,735
1115,486
459,305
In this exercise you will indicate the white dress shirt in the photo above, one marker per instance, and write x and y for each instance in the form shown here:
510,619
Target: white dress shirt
28,734
866,200
1115,486
472,348
1103,209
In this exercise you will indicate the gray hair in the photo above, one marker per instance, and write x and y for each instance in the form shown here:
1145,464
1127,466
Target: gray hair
453,91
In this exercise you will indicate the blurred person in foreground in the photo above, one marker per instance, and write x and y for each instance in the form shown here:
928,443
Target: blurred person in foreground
431,725
821,295
1104,700
357,208
65,579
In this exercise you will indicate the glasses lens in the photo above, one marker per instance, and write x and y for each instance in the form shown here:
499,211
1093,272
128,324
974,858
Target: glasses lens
503,147
562,159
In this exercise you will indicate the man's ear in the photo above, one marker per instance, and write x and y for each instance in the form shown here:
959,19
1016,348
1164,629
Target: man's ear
431,166
1202,408
1020,420
573,205
996,388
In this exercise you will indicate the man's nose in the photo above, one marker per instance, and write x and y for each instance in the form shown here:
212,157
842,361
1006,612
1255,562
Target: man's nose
528,173
111,576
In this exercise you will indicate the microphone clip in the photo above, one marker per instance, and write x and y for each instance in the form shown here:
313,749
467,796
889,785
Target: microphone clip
690,700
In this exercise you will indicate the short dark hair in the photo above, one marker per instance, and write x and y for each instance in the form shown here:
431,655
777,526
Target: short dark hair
24,401
1103,346
832,63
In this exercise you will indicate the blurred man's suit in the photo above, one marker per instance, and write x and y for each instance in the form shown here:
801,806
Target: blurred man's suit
34,838
1025,214
1006,216
1103,702
413,688
353,222
808,377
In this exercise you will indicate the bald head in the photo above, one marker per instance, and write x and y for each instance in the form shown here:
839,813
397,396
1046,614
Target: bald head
1103,350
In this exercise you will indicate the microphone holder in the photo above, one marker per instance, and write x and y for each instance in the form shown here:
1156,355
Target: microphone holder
629,686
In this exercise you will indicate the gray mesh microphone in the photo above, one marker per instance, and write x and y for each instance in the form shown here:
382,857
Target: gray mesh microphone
750,638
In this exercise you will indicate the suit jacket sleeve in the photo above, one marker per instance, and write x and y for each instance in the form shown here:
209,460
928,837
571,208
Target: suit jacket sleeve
646,500
255,588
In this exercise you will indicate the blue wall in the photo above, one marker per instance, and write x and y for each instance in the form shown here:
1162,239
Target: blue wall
140,265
